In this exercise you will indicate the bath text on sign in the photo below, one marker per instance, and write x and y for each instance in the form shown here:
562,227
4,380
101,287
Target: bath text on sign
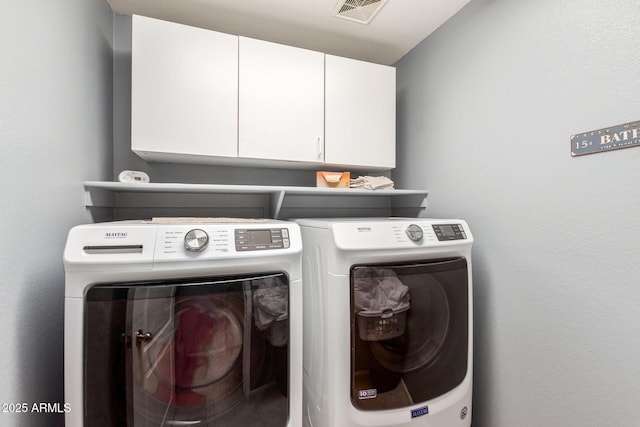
611,138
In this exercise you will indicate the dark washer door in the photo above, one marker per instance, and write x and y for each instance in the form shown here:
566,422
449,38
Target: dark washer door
409,331
207,351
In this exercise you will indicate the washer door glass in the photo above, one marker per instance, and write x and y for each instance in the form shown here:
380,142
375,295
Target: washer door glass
207,352
409,331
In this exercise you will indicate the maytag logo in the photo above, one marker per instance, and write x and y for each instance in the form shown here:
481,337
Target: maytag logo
116,235
364,229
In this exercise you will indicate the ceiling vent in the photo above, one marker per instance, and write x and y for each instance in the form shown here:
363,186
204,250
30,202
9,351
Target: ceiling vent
361,11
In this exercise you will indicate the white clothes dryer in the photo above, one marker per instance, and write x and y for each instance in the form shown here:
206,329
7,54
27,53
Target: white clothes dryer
175,322
387,322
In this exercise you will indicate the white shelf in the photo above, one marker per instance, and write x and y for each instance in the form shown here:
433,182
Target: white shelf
276,201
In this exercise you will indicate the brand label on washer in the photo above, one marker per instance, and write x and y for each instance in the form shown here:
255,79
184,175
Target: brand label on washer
419,412
116,235
371,393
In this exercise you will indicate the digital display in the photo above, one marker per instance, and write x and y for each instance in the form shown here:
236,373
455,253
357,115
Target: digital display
259,237
447,231
257,240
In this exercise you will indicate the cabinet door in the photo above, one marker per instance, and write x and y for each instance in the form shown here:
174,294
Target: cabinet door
360,116
184,89
281,102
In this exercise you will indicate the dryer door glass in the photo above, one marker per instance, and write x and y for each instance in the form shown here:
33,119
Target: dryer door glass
210,351
409,331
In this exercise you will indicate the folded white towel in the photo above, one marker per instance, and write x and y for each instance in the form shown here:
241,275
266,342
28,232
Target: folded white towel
372,182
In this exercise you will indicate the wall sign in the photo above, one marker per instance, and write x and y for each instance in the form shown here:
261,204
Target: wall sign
607,139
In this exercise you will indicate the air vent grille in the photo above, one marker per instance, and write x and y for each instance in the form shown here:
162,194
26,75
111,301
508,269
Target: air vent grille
361,11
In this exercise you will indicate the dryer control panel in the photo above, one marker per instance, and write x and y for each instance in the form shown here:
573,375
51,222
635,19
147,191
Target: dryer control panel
393,233
261,239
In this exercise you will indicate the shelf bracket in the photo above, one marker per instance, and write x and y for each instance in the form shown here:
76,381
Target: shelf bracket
409,205
99,198
276,199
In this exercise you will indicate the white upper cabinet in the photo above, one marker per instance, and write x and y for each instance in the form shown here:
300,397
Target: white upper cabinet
199,96
184,91
281,102
360,113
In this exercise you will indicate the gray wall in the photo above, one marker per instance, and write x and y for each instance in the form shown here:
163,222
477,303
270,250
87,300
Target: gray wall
486,107
55,132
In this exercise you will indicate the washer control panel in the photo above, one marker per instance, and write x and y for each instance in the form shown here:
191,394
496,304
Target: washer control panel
253,239
446,232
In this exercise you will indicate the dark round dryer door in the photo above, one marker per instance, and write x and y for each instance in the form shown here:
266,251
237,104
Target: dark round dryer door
194,351
409,331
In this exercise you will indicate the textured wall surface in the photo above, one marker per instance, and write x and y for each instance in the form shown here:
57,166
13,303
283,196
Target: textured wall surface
486,107
55,132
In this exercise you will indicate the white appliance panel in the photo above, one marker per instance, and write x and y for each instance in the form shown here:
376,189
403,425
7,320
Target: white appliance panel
152,265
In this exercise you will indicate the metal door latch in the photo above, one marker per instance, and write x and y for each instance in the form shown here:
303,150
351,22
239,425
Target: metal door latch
143,337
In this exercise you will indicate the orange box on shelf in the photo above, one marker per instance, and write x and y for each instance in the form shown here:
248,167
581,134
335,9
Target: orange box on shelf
333,179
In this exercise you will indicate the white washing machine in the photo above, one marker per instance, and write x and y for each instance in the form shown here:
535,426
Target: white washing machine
176,323
387,322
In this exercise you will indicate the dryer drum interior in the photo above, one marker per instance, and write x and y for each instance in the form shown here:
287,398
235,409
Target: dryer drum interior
180,351
427,355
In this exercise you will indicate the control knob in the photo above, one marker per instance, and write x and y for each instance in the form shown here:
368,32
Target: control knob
196,240
414,232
